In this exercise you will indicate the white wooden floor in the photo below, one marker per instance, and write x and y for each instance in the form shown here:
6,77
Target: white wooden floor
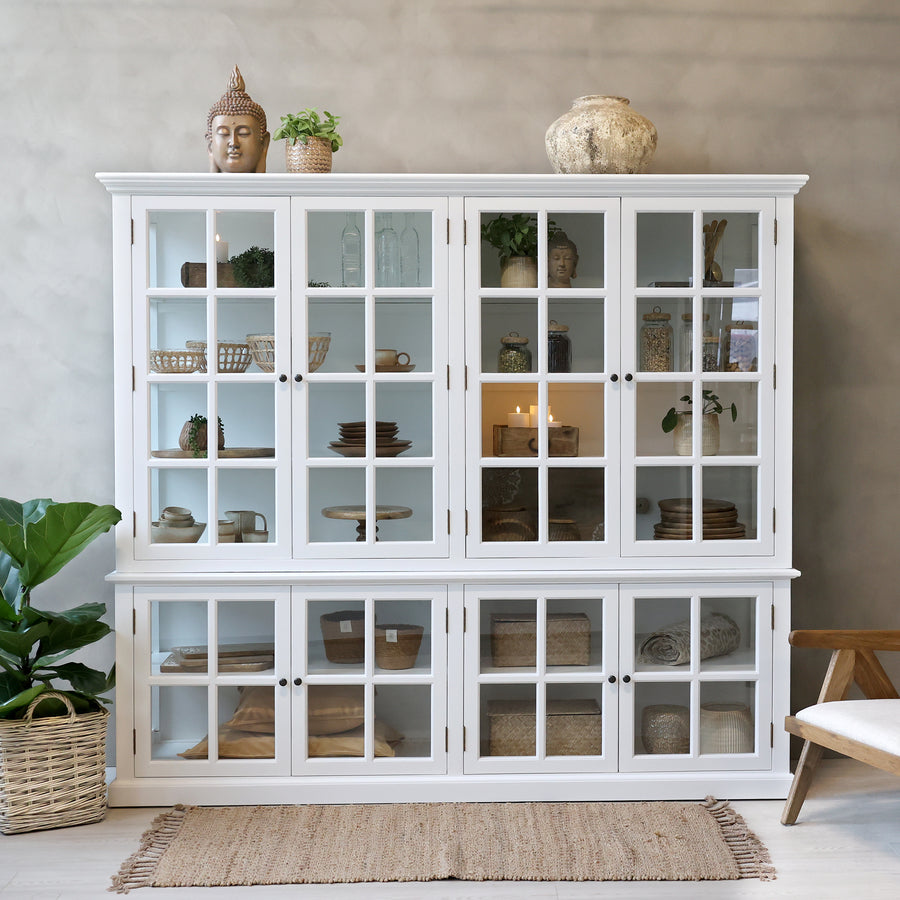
846,844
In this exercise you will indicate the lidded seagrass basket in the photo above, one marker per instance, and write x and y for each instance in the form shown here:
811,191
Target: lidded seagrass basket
514,639
574,727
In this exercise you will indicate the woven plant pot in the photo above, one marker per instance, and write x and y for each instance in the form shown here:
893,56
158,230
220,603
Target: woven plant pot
53,770
313,156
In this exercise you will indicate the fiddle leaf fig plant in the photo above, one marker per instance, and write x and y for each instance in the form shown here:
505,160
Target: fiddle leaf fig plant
711,404
308,123
37,539
515,234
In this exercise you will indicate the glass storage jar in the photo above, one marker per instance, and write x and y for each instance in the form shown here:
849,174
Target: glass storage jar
656,342
514,355
710,349
559,348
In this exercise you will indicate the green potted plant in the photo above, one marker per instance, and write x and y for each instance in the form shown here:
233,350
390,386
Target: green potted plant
311,140
254,268
681,423
194,435
43,726
515,238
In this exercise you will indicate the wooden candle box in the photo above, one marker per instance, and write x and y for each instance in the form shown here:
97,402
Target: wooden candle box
524,441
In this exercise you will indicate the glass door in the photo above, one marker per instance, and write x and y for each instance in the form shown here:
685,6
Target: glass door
698,289
693,692
369,378
211,291
540,679
542,349
369,681
211,681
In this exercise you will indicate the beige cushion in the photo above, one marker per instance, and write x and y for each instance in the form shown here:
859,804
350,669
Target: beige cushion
351,743
875,723
234,744
255,710
334,708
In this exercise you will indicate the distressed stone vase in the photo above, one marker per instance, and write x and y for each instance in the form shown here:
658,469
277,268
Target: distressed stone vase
600,135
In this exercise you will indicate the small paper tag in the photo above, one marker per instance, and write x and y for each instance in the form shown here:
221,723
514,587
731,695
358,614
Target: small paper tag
346,626
390,635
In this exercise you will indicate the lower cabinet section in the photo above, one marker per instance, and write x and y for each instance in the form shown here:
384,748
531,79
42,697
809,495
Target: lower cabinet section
312,693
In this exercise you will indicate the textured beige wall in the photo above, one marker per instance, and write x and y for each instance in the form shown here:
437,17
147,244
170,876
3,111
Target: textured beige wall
463,86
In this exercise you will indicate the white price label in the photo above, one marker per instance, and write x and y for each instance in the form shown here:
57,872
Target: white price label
346,626
390,635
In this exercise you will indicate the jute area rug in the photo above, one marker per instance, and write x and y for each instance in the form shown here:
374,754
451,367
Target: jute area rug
610,841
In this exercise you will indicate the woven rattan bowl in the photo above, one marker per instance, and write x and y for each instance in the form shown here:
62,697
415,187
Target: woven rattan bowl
262,350
318,347
177,362
233,357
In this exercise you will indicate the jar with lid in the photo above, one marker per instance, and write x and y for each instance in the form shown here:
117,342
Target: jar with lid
710,345
514,355
559,348
656,342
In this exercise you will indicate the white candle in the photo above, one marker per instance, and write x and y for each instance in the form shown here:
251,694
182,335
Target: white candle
533,416
221,250
518,419
551,423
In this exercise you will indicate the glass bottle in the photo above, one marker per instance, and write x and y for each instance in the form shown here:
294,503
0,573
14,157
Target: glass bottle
409,254
351,253
559,348
514,355
387,253
656,342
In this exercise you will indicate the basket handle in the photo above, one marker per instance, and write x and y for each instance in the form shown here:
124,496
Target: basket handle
44,696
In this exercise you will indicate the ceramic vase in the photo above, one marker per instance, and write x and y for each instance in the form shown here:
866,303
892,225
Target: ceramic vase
600,135
684,438
519,272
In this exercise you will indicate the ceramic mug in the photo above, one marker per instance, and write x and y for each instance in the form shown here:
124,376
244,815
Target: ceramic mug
255,537
390,358
226,531
244,522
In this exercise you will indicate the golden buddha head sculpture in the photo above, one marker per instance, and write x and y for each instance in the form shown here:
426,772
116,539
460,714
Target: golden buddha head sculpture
562,259
236,135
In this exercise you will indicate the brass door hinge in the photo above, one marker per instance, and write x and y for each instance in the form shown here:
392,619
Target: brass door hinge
446,740
773,520
447,621
464,738
448,230
134,741
464,620
134,524
773,617
448,378
466,379
132,231
467,523
133,379
771,735
774,376
465,231
775,235
134,621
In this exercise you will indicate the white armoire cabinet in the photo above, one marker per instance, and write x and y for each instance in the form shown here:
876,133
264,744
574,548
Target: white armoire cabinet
422,527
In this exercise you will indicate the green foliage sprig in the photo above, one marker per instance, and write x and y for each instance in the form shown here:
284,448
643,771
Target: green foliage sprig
308,123
198,421
515,235
255,267
711,404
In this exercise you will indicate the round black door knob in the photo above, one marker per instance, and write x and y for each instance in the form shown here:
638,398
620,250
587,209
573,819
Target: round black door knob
612,679
298,681
282,378
629,377
282,681
613,377
298,377
626,678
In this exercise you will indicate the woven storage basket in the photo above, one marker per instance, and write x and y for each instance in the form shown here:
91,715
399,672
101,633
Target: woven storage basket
574,728
514,639
53,770
232,357
397,646
262,349
177,362
666,728
344,636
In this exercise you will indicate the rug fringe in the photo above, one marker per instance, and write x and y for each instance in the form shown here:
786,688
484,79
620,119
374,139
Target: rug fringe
138,870
750,854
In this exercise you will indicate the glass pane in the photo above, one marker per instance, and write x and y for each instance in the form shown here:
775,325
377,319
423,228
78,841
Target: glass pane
245,241
703,346
663,503
507,720
576,504
415,240
387,249
404,504
249,322
509,416
665,249
336,248
403,636
174,322
337,329
656,320
247,499
730,504
574,640
731,642
509,504
178,502
576,335
403,719
727,717
172,406
502,233
246,716
335,718
247,412
337,415
177,248
246,640
403,330
337,504
403,420
508,630
176,627
662,628
661,428
734,431
575,418
336,631
574,720
575,250
179,722
662,718
509,329
740,336
731,249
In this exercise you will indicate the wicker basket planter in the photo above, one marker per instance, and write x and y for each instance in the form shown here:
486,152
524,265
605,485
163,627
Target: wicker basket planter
574,728
53,770
232,357
397,646
313,156
344,635
514,639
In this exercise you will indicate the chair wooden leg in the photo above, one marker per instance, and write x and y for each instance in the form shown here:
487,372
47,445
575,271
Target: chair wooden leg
806,766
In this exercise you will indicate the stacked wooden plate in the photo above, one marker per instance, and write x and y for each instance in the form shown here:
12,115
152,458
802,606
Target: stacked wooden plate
353,439
720,521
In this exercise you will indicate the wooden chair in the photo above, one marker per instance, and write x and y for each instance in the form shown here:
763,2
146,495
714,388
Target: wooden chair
867,730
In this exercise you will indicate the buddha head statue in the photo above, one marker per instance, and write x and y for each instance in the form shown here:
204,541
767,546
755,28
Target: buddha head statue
236,135
562,258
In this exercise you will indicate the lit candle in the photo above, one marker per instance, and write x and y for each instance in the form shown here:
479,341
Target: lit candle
518,419
551,423
221,250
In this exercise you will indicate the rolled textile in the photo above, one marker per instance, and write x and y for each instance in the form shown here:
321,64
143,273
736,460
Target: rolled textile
671,646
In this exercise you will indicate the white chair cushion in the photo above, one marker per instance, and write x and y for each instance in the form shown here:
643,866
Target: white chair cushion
875,723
